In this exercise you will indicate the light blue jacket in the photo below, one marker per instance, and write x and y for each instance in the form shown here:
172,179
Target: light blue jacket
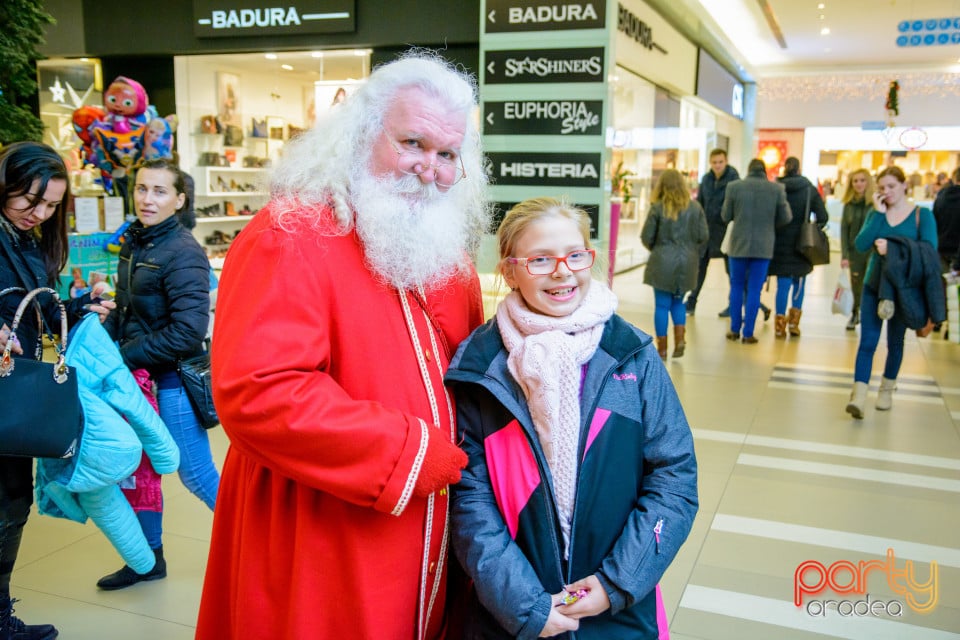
119,424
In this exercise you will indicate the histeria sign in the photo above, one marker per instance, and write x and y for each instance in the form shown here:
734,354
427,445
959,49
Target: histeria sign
543,117
546,169
527,66
543,15
231,18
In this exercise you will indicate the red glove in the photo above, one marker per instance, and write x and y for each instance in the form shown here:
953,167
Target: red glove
441,465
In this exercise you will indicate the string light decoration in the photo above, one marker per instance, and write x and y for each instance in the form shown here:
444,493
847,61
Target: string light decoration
850,87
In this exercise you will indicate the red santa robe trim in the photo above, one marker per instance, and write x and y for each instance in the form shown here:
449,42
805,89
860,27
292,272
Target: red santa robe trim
325,399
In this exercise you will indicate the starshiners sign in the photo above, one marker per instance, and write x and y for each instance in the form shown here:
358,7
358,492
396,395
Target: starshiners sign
543,117
846,578
526,66
231,18
543,15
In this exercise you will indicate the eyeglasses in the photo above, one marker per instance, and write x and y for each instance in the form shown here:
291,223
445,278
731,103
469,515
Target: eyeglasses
547,265
413,162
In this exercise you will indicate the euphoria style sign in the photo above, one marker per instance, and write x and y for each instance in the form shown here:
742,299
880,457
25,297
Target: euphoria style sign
525,66
543,117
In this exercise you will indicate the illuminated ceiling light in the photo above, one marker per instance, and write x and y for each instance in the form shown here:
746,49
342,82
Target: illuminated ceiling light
822,17
84,59
825,31
270,56
820,6
316,54
287,67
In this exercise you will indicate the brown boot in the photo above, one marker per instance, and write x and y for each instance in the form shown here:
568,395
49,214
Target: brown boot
793,321
679,340
662,347
780,326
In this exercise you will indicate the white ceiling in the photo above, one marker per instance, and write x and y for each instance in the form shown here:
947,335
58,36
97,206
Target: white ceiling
306,66
863,34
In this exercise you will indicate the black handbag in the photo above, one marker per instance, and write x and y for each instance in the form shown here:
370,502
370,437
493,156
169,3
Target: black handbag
196,380
812,241
43,416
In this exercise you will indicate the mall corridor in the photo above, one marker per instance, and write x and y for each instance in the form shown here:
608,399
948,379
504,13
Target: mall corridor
786,477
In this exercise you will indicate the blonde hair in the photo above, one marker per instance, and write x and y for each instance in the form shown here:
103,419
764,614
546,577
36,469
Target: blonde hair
525,213
671,190
850,193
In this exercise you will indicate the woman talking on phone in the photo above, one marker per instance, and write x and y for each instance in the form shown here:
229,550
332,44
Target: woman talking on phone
892,216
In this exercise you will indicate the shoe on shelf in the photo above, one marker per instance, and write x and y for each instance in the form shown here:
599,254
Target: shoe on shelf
14,628
127,577
725,313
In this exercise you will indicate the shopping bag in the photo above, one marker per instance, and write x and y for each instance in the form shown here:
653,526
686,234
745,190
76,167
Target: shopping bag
727,239
843,295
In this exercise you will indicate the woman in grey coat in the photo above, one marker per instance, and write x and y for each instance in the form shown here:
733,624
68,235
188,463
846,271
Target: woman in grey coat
674,232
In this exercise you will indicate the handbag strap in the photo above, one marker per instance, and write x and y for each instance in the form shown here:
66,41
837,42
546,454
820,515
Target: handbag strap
916,211
60,369
806,212
29,283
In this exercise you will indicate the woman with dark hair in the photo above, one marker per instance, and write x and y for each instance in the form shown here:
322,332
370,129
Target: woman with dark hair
163,298
892,216
789,265
675,230
33,251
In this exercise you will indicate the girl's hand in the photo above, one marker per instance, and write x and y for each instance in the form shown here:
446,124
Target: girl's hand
557,623
879,203
596,600
881,245
4,336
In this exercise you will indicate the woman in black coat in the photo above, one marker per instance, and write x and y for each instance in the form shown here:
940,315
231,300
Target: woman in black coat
789,265
33,251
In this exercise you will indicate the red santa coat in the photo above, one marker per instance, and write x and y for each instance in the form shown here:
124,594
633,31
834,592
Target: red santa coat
326,381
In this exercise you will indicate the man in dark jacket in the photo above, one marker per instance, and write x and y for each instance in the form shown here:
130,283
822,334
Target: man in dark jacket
946,211
713,188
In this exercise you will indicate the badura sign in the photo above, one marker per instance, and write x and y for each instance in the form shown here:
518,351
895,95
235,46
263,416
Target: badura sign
647,45
230,18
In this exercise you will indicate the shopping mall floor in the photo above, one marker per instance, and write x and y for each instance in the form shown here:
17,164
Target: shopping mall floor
786,477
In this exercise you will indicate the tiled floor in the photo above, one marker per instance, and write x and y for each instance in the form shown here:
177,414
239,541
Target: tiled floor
785,477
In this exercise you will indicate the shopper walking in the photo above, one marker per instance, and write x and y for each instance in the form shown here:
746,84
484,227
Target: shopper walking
33,251
946,211
163,284
788,265
756,207
857,199
580,453
893,216
675,231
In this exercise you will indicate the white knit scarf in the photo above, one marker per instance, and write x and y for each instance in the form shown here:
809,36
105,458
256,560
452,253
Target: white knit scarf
546,354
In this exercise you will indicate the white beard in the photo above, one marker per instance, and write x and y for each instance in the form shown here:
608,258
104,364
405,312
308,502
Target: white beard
413,235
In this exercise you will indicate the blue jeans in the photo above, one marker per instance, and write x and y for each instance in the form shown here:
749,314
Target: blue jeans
197,471
749,272
668,305
784,284
870,325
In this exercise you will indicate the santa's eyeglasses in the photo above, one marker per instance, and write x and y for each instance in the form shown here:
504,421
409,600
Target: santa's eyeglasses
447,168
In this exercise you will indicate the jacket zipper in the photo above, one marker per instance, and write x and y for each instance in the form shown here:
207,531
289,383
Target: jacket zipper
656,534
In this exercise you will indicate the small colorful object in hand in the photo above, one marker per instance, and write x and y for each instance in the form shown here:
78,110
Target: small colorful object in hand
570,598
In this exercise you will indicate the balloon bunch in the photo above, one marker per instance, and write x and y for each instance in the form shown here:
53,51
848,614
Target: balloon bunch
123,134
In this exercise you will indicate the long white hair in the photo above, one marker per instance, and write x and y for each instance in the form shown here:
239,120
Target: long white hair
319,167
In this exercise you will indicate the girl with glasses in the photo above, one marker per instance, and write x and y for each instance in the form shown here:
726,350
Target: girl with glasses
582,481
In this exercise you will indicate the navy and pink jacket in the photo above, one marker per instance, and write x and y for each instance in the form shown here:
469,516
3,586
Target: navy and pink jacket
636,490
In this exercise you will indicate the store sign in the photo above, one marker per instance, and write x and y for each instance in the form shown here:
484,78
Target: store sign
650,47
231,18
546,169
718,86
525,66
636,29
500,209
543,15
543,117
